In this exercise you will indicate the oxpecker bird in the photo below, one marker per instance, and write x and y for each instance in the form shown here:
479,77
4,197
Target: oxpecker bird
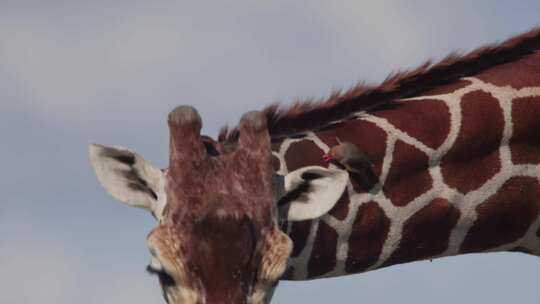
348,156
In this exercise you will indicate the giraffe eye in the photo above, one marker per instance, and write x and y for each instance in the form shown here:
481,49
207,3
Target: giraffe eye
164,278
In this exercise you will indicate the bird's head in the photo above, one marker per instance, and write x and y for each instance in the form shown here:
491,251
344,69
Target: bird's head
342,151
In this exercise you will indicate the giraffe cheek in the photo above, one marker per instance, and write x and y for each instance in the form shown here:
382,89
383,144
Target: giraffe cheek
277,248
274,260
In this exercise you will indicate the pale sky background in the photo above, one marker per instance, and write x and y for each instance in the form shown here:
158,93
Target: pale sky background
77,72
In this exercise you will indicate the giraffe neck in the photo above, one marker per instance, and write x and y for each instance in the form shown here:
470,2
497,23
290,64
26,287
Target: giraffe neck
458,170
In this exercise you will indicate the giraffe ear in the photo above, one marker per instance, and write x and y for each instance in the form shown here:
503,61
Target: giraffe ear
311,192
127,176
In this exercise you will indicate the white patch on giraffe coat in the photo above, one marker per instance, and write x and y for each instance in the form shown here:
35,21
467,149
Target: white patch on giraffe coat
388,157
393,131
317,141
466,203
283,170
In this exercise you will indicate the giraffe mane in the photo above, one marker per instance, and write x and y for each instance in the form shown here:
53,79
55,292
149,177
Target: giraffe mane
313,114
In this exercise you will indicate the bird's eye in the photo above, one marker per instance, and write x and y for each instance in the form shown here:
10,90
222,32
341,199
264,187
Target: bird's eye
165,279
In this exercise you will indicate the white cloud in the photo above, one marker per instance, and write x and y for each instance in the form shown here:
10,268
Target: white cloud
38,267
234,48
65,73
386,31
35,270
68,72
132,290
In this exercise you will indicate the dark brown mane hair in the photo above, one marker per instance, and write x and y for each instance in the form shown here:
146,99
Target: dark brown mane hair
312,114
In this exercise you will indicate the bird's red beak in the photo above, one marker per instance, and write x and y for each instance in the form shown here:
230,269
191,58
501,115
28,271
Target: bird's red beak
327,158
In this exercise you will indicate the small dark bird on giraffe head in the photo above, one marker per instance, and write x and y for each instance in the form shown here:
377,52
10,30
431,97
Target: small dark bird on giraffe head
352,159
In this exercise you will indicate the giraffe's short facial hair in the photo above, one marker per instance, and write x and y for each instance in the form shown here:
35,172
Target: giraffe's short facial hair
218,261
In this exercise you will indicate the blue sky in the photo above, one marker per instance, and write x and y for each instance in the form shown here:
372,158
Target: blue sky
78,72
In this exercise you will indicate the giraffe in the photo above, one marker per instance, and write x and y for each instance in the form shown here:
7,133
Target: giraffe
217,238
456,154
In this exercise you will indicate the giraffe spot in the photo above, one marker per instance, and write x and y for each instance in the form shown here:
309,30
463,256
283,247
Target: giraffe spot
369,231
369,138
525,142
506,216
408,176
466,176
412,116
525,73
474,158
299,234
323,254
303,153
448,88
341,208
276,164
426,233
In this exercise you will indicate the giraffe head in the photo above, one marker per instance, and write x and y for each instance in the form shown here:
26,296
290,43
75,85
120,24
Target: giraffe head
217,238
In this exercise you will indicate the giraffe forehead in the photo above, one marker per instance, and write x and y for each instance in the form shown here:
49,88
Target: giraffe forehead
224,187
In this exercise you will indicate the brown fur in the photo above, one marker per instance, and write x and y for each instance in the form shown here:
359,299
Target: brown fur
506,216
371,228
526,137
408,168
341,208
313,114
299,233
426,233
422,110
323,257
482,118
